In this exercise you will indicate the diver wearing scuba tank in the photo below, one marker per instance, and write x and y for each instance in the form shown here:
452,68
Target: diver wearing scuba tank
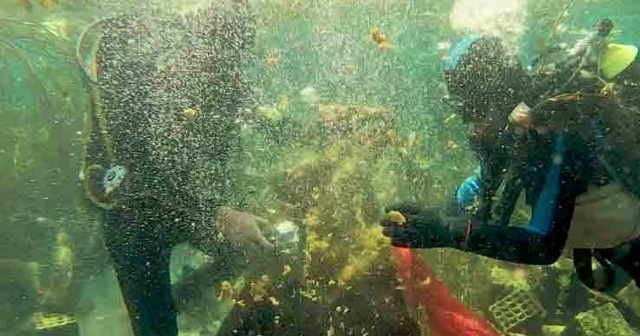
554,136
160,127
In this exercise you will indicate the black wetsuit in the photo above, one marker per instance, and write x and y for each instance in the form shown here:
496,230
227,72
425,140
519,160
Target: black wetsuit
556,169
166,95
552,187
541,241
552,169
552,196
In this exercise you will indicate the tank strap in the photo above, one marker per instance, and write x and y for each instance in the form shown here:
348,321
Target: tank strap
98,154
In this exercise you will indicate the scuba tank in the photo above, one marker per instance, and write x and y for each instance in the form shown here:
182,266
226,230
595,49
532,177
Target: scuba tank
562,66
596,51
554,83
582,77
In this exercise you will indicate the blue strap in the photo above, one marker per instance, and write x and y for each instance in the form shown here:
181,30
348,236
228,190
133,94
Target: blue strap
544,210
469,189
599,126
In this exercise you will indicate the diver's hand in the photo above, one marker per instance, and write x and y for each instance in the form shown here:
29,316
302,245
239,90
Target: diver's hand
242,230
423,227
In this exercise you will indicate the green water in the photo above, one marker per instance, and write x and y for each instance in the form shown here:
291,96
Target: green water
326,48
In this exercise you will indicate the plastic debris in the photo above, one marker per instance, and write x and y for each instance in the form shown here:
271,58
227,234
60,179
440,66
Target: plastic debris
446,315
55,324
516,308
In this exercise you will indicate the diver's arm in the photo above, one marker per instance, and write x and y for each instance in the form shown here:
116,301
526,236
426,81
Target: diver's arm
540,242
521,244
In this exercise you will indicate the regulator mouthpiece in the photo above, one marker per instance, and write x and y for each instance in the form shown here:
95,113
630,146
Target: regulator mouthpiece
113,178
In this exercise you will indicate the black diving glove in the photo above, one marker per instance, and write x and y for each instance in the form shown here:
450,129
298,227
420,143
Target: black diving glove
422,228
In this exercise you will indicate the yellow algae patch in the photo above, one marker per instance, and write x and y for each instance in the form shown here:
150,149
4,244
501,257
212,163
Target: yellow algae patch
286,270
226,291
396,217
189,113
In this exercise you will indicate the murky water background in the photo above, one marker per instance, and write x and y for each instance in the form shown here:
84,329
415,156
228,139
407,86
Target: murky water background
337,126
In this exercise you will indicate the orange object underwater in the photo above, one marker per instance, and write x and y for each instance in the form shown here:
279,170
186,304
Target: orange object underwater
446,315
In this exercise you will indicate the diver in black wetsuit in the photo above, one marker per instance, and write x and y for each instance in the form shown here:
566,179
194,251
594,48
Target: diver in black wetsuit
165,94
558,138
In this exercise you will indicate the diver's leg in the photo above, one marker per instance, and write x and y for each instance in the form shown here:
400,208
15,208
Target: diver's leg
627,256
141,258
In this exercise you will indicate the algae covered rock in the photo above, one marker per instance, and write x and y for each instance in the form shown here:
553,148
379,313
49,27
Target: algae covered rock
553,330
630,296
335,182
602,321
510,278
